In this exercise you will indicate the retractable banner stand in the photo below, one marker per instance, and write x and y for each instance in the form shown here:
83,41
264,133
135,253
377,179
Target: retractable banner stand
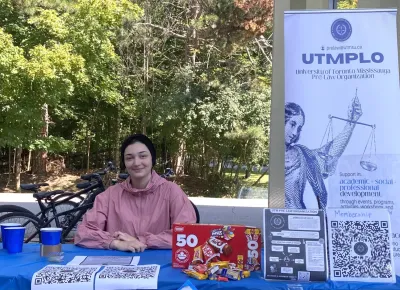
342,110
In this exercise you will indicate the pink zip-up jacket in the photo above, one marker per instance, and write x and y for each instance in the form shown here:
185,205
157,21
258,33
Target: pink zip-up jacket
146,214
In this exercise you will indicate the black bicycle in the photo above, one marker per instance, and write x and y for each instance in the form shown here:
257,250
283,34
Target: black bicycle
58,195
46,213
50,201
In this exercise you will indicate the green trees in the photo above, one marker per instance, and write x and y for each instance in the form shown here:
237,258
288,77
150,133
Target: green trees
78,76
347,4
52,57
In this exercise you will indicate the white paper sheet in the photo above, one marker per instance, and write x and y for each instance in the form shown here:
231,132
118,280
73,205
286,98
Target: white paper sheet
63,277
105,260
127,277
360,242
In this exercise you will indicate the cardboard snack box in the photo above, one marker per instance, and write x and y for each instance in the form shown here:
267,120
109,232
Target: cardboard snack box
205,243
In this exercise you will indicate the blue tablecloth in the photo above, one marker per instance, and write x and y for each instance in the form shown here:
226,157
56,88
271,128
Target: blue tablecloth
17,270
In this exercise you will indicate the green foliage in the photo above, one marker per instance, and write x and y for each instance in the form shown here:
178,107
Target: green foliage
52,144
347,4
247,145
48,25
109,68
53,54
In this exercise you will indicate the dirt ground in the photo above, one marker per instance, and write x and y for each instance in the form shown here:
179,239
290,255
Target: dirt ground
65,181
192,186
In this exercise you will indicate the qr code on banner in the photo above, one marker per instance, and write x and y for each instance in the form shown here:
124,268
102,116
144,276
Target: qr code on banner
361,249
132,272
64,275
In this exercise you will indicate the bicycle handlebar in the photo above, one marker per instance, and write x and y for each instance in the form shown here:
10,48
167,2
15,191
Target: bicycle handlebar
83,185
123,175
90,176
96,175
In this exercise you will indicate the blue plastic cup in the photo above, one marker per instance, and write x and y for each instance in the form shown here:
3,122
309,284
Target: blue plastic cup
3,234
50,236
15,239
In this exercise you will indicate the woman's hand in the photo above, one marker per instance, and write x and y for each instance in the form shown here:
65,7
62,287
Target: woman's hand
124,237
355,110
128,246
125,242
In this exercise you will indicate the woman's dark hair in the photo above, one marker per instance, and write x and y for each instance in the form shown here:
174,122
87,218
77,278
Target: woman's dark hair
292,109
132,139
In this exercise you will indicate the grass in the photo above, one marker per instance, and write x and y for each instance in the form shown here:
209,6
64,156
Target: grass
252,179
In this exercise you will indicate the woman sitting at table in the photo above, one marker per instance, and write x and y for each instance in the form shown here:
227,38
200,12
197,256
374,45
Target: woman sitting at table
139,212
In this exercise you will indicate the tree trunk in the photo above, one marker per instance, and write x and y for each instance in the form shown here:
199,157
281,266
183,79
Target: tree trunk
15,153
39,165
208,168
23,156
117,141
9,167
247,173
222,168
237,172
17,176
219,166
146,64
87,150
189,165
174,162
28,168
192,41
110,144
164,156
181,158
203,160
9,160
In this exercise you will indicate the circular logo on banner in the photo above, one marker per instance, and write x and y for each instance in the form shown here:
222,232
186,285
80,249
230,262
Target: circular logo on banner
341,29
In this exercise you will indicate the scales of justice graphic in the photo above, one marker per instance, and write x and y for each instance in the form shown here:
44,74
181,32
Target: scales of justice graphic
369,154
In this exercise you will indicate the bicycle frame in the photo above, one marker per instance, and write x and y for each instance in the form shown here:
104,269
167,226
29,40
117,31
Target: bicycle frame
81,209
95,188
100,184
51,205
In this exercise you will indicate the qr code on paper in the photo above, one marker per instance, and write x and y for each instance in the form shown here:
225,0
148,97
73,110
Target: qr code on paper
361,249
64,275
131,272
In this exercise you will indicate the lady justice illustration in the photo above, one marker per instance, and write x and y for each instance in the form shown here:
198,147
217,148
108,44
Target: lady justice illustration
306,169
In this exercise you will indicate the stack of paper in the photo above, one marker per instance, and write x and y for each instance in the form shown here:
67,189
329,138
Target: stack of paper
126,277
89,272
105,260
63,277
360,245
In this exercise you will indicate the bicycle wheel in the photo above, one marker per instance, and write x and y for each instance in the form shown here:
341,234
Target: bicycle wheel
27,220
63,219
4,209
